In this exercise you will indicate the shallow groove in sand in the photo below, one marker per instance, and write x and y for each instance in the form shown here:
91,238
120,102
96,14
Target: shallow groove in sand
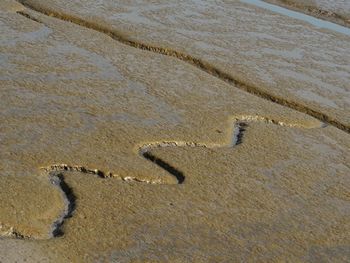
303,16
198,63
312,11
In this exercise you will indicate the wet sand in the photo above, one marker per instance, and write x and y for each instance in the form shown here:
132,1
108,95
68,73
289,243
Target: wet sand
335,11
312,19
100,131
256,49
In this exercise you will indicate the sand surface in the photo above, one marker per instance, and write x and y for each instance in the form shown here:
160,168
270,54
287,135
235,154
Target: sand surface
286,59
337,11
234,177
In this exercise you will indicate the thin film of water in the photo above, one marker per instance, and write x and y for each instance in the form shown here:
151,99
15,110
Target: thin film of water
300,16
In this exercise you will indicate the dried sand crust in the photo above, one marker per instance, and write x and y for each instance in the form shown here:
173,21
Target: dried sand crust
337,11
285,59
73,96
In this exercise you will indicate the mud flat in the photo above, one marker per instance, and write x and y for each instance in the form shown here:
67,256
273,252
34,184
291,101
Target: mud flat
79,112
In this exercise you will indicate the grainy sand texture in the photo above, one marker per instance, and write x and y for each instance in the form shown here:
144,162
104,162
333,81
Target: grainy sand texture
337,11
177,131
